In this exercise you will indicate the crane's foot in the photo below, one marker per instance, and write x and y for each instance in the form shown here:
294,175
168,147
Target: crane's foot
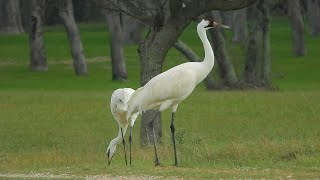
156,162
175,164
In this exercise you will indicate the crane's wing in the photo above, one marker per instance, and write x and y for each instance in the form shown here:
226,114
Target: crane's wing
133,104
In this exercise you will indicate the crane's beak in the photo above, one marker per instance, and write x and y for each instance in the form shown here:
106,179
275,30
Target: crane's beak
213,24
223,26
109,158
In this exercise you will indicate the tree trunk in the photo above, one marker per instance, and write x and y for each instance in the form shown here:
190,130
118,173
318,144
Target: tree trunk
26,7
119,71
152,56
227,72
132,30
295,16
193,57
266,82
226,17
239,26
66,13
10,17
38,60
314,16
251,65
257,67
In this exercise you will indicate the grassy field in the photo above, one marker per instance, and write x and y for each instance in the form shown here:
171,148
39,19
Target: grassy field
55,122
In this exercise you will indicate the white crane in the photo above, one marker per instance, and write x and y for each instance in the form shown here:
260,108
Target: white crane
169,88
118,107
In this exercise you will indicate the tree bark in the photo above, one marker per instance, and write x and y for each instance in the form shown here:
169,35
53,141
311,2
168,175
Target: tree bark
38,61
10,17
227,72
251,65
26,7
193,57
227,17
132,30
314,16
295,16
257,66
119,71
265,26
239,26
66,13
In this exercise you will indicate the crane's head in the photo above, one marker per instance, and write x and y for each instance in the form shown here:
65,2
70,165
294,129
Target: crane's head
110,151
120,99
208,24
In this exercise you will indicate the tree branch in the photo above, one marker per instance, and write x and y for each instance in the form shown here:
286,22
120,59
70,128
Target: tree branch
198,7
133,8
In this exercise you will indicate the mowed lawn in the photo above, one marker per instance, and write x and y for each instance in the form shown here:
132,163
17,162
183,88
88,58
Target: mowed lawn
58,123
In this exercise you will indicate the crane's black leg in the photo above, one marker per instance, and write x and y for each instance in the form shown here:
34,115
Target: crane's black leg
124,147
173,139
130,142
156,161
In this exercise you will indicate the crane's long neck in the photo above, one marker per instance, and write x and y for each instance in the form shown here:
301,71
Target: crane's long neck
118,139
208,61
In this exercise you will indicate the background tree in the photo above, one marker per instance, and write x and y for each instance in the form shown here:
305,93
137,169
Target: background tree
239,25
314,16
226,70
65,8
38,60
250,71
132,30
119,71
263,6
10,17
257,66
297,26
167,20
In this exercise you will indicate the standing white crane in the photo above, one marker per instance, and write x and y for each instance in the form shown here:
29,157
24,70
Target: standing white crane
119,107
169,88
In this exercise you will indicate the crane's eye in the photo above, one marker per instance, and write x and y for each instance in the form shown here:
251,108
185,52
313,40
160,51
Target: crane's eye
120,100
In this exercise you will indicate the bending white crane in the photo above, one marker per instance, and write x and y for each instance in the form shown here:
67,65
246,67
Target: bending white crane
119,106
169,88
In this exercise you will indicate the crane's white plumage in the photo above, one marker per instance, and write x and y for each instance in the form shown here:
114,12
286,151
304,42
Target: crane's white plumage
119,107
169,88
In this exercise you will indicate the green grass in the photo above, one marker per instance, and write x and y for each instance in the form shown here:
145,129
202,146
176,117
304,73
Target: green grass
59,123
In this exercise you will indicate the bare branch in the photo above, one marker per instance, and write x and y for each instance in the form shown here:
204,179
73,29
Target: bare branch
198,7
134,8
174,6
